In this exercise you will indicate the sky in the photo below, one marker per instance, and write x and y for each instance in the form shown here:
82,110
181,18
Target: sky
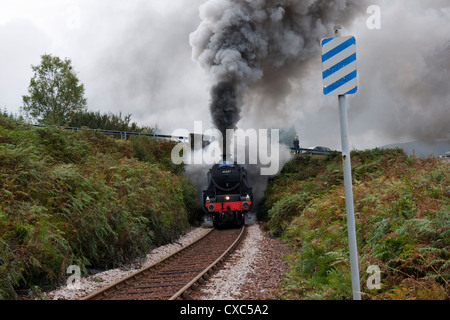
135,57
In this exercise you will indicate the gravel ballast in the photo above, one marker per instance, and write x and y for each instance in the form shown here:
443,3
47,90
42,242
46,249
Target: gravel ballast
95,282
251,273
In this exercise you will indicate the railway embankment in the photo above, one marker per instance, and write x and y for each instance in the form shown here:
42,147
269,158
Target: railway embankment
83,199
402,207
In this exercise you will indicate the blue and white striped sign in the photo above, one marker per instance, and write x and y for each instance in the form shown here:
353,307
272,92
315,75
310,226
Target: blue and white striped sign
339,66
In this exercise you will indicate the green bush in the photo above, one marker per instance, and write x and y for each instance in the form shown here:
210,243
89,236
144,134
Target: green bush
190,199
82,198
107,121
284,211
402,223
155,151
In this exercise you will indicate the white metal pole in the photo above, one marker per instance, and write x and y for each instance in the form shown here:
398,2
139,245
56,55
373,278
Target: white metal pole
351,228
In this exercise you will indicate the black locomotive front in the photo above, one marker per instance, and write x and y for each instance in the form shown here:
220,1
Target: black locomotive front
228,197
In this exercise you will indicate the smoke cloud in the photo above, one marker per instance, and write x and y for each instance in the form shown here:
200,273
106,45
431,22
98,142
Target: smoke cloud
253,49
269,51
135,57
224,106
405,74
257,47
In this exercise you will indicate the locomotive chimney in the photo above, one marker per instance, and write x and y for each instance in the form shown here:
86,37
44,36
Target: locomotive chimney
227,152
224,148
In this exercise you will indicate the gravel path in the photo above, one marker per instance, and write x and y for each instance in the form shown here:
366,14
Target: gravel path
251,273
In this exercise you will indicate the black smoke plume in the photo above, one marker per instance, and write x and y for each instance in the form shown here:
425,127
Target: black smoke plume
224,106
224,110
258,46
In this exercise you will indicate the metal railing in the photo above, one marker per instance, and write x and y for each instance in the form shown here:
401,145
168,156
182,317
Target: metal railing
123,134
310,151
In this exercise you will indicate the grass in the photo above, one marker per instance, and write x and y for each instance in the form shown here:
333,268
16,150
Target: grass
402,219
83,198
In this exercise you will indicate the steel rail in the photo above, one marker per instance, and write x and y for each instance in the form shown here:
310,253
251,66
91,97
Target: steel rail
134,276
202,275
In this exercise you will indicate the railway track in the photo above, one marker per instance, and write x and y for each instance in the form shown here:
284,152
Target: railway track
175,276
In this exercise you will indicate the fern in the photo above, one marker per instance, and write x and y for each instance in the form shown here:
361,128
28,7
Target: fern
80,198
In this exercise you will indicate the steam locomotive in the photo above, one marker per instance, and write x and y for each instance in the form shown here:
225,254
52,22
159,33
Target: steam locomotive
228,197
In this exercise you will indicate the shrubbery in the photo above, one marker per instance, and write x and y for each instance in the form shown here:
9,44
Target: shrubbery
106,121
402,218
83,198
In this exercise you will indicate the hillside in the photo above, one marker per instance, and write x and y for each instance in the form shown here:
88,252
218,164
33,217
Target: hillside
402,219
422,149
83,198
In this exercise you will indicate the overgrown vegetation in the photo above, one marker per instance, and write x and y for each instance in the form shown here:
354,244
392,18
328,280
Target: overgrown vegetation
106,121
402,214
83,198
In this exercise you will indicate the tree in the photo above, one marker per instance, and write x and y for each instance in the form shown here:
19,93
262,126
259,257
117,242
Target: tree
54,92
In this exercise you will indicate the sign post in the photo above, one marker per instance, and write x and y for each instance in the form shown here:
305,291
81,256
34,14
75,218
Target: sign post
339,76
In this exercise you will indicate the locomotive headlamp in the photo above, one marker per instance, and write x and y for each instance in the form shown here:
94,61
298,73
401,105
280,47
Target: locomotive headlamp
227,198
208,200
